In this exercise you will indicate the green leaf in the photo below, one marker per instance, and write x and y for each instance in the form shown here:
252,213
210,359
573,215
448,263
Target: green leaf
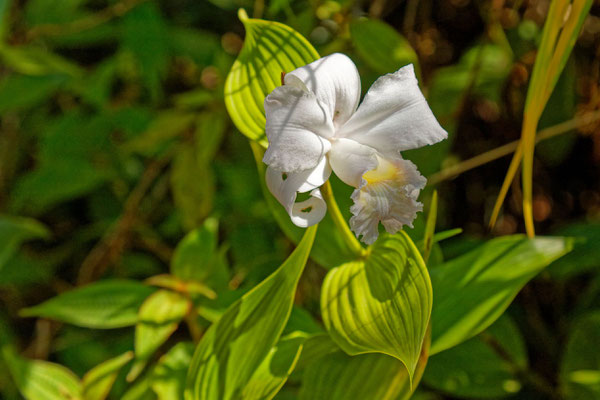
19,92
162,130
274,370
488,279
98,381
192,185
30,60
580,368
196,257
338,376
234,347
476,369
4,14
42,380
16,230
585,254
145,36
168,376
158,318
382,303
430,227
270,48
380,46
106,304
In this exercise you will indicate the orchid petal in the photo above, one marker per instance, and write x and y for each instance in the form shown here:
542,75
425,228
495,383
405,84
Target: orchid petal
394,116
350,160
334,80
297,125
388,195
285,187
310,211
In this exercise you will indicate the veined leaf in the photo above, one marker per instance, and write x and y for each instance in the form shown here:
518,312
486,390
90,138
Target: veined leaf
42,380
158,318
381,46
270,48
98,381
382,303
473,290
337,376
102,305
234,347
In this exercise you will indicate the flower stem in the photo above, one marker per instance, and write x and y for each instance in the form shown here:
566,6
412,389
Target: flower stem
340,222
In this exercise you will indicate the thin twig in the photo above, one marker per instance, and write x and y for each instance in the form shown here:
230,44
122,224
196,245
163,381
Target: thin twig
508,148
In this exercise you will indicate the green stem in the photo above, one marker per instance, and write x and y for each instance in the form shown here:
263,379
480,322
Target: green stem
340,222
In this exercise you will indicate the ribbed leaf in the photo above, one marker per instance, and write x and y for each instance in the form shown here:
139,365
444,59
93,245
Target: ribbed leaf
234,347
102,305
473,290
382,303
270,48
98,381
42,380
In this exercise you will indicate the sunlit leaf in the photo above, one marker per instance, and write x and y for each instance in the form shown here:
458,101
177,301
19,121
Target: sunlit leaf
475,369
580,368
99,380
384,56
274,370
42,380
158,318
270,48
380,304
234,347
196,257
102,305
487,279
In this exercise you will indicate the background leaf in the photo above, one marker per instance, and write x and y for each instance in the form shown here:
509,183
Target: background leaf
97,382
42,380
106,304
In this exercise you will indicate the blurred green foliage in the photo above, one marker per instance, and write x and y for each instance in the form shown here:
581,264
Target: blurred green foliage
133,215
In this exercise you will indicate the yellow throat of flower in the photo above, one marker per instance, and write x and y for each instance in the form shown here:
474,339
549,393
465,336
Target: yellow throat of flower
385,171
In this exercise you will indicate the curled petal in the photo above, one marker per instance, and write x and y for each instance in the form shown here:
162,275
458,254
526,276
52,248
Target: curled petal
334,80
388,195
297,125
350,160
285,188
394,116
310,211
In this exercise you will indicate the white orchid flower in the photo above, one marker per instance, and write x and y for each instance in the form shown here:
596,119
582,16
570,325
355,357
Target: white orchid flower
315,125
